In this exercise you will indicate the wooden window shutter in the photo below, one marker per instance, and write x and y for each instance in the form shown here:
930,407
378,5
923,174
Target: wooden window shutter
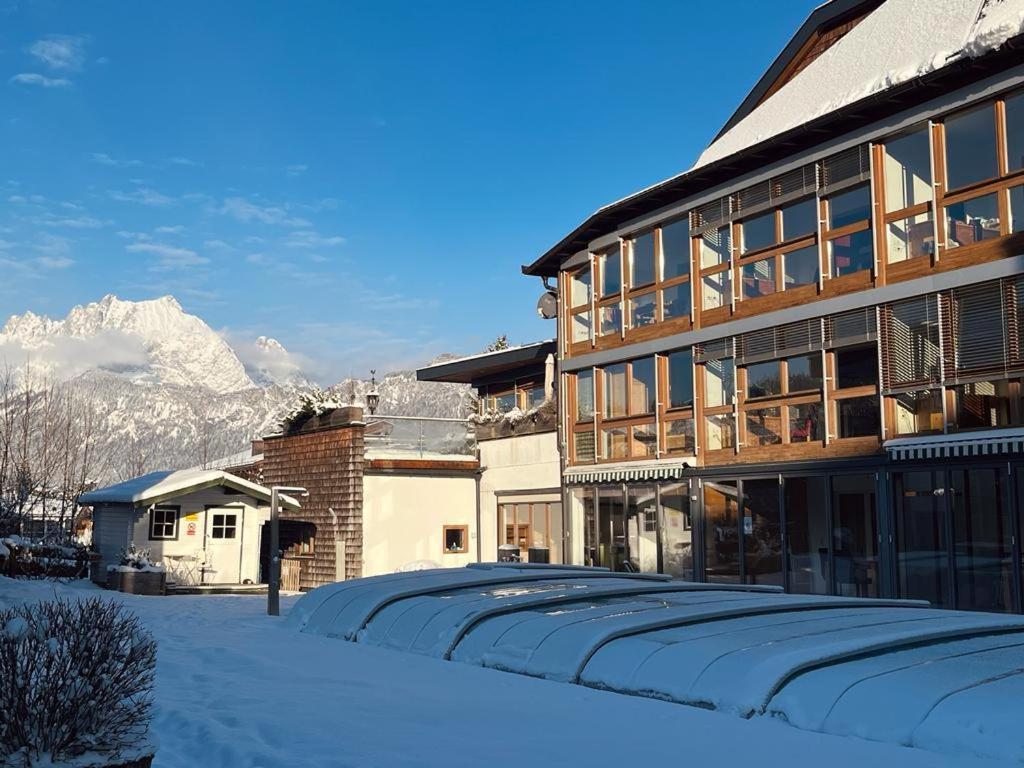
859,326
846,168
911,352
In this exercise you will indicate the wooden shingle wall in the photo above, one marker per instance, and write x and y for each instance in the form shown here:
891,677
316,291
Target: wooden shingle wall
328,461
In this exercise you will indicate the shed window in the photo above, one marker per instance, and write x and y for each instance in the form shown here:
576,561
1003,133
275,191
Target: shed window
224,526
163,523
456,539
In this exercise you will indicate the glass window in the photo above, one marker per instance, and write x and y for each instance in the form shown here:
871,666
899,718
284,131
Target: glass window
642,529
801,266
910,238
615,442
534,396
581,327
642,261
982,539
224,526
455,539
583,444
764,427
849,207
972,221
585,395
642,310
851,253
719,382
759,278
717,290
611,272
762,532
984,404
615,391
677,531
715,247
505,402
764,379
971,147
611,319
856,366
908,171
642,390
855,535
679,437
1017,209
675,249
918,412
758,232
675,301
858,416
807,535
1015,131
721,431
163,523
800,219
645,441
721,531
580,287
805,423
680,379
804,373
922,560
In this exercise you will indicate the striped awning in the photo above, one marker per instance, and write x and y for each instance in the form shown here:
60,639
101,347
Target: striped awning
963,445
625,473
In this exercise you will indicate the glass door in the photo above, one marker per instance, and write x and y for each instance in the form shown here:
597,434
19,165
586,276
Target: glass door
642,530
762,532
611,530
721,531
922,549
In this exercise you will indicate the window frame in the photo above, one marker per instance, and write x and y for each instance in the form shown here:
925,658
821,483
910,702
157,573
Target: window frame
176,510
464,529
776,251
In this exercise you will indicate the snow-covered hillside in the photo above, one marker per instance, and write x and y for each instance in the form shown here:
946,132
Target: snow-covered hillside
169,391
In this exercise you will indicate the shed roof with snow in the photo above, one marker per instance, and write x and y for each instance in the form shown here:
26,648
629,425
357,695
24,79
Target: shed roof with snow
896,671
157,487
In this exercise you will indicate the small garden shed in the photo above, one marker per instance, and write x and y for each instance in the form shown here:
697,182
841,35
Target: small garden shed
205,525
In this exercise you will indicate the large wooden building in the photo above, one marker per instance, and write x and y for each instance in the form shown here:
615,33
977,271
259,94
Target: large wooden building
800,362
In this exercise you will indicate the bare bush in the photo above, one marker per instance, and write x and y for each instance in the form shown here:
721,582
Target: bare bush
75,679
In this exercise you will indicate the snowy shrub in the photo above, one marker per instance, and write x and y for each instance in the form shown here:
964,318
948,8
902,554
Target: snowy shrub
29,559
75,683
133,559
314,403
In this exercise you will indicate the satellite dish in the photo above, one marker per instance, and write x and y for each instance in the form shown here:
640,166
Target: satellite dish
547,305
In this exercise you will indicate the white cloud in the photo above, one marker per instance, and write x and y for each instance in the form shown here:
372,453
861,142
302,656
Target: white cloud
186,161
60,52
104,159
71,356
274,362
144,196
296,170
218,245
308,238
169,230
54,262
34,78
75,222
244,211
256,258
170,257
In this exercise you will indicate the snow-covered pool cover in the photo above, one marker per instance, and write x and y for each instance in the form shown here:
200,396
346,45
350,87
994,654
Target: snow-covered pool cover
886,670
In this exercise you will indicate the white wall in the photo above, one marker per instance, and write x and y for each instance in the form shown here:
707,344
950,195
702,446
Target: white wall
513,466
193,514
404,517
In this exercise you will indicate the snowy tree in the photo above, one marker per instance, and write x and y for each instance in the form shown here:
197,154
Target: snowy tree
498,344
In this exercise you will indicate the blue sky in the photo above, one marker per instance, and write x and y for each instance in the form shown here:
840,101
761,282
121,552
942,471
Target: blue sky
361,181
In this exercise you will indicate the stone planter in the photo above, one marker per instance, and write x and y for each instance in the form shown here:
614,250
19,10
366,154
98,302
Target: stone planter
138,582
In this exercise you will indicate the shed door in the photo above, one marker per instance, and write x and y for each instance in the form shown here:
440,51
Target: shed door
223,545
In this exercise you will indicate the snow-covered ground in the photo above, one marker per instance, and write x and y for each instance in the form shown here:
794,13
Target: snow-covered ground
238,688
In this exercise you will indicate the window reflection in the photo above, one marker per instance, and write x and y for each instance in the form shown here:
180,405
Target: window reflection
762,532
800,219
908,174
642,261
675,301
677,533
759,278
758,232
675,249
972,221
642,310
801,266
970,147
852,253
855,535
807,535
611,272
721,531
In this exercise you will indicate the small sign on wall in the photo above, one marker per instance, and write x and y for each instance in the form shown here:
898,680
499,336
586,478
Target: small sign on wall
190,529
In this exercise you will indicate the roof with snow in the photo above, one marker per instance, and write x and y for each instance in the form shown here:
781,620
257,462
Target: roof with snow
157,487
884,58
474,368
885,670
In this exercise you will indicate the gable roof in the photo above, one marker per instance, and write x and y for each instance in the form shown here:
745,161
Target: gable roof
157,487
879,66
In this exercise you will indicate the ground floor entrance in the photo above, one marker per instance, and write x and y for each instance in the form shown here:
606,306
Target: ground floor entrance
948,532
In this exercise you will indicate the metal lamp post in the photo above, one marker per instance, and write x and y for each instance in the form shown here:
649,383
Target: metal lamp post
274,585
373,396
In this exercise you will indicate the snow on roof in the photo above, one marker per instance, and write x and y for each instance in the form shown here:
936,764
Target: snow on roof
897,42
505,350
158,486
893,671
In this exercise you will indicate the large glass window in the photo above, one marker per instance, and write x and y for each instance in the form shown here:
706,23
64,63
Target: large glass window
758,278
982,540
642,529
908,171
803,373
642,310
849,207
677,533
850,211
758,232
801,267
642,261
719,382
910,237
611,319
851,253
918,412
1015,132
581,327
800,219
1017,209
720,432
642,388
855,535
715,247
922,559
805,423
580,287
858,416
764,426
679,437
680,379
615,391
970,147
856,366
675,301
675,249
807,535
721,531
717,290
764,379
611,272
762,532
986,404
615,442
585,395
972,221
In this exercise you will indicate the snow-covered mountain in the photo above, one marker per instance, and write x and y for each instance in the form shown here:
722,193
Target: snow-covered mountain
169,391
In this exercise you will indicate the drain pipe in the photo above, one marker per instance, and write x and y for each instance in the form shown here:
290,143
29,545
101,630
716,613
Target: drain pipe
478,475
339,547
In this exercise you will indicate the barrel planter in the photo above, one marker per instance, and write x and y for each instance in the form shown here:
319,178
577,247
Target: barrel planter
138,582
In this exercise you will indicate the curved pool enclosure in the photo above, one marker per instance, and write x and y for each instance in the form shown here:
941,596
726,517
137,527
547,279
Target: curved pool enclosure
888,670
